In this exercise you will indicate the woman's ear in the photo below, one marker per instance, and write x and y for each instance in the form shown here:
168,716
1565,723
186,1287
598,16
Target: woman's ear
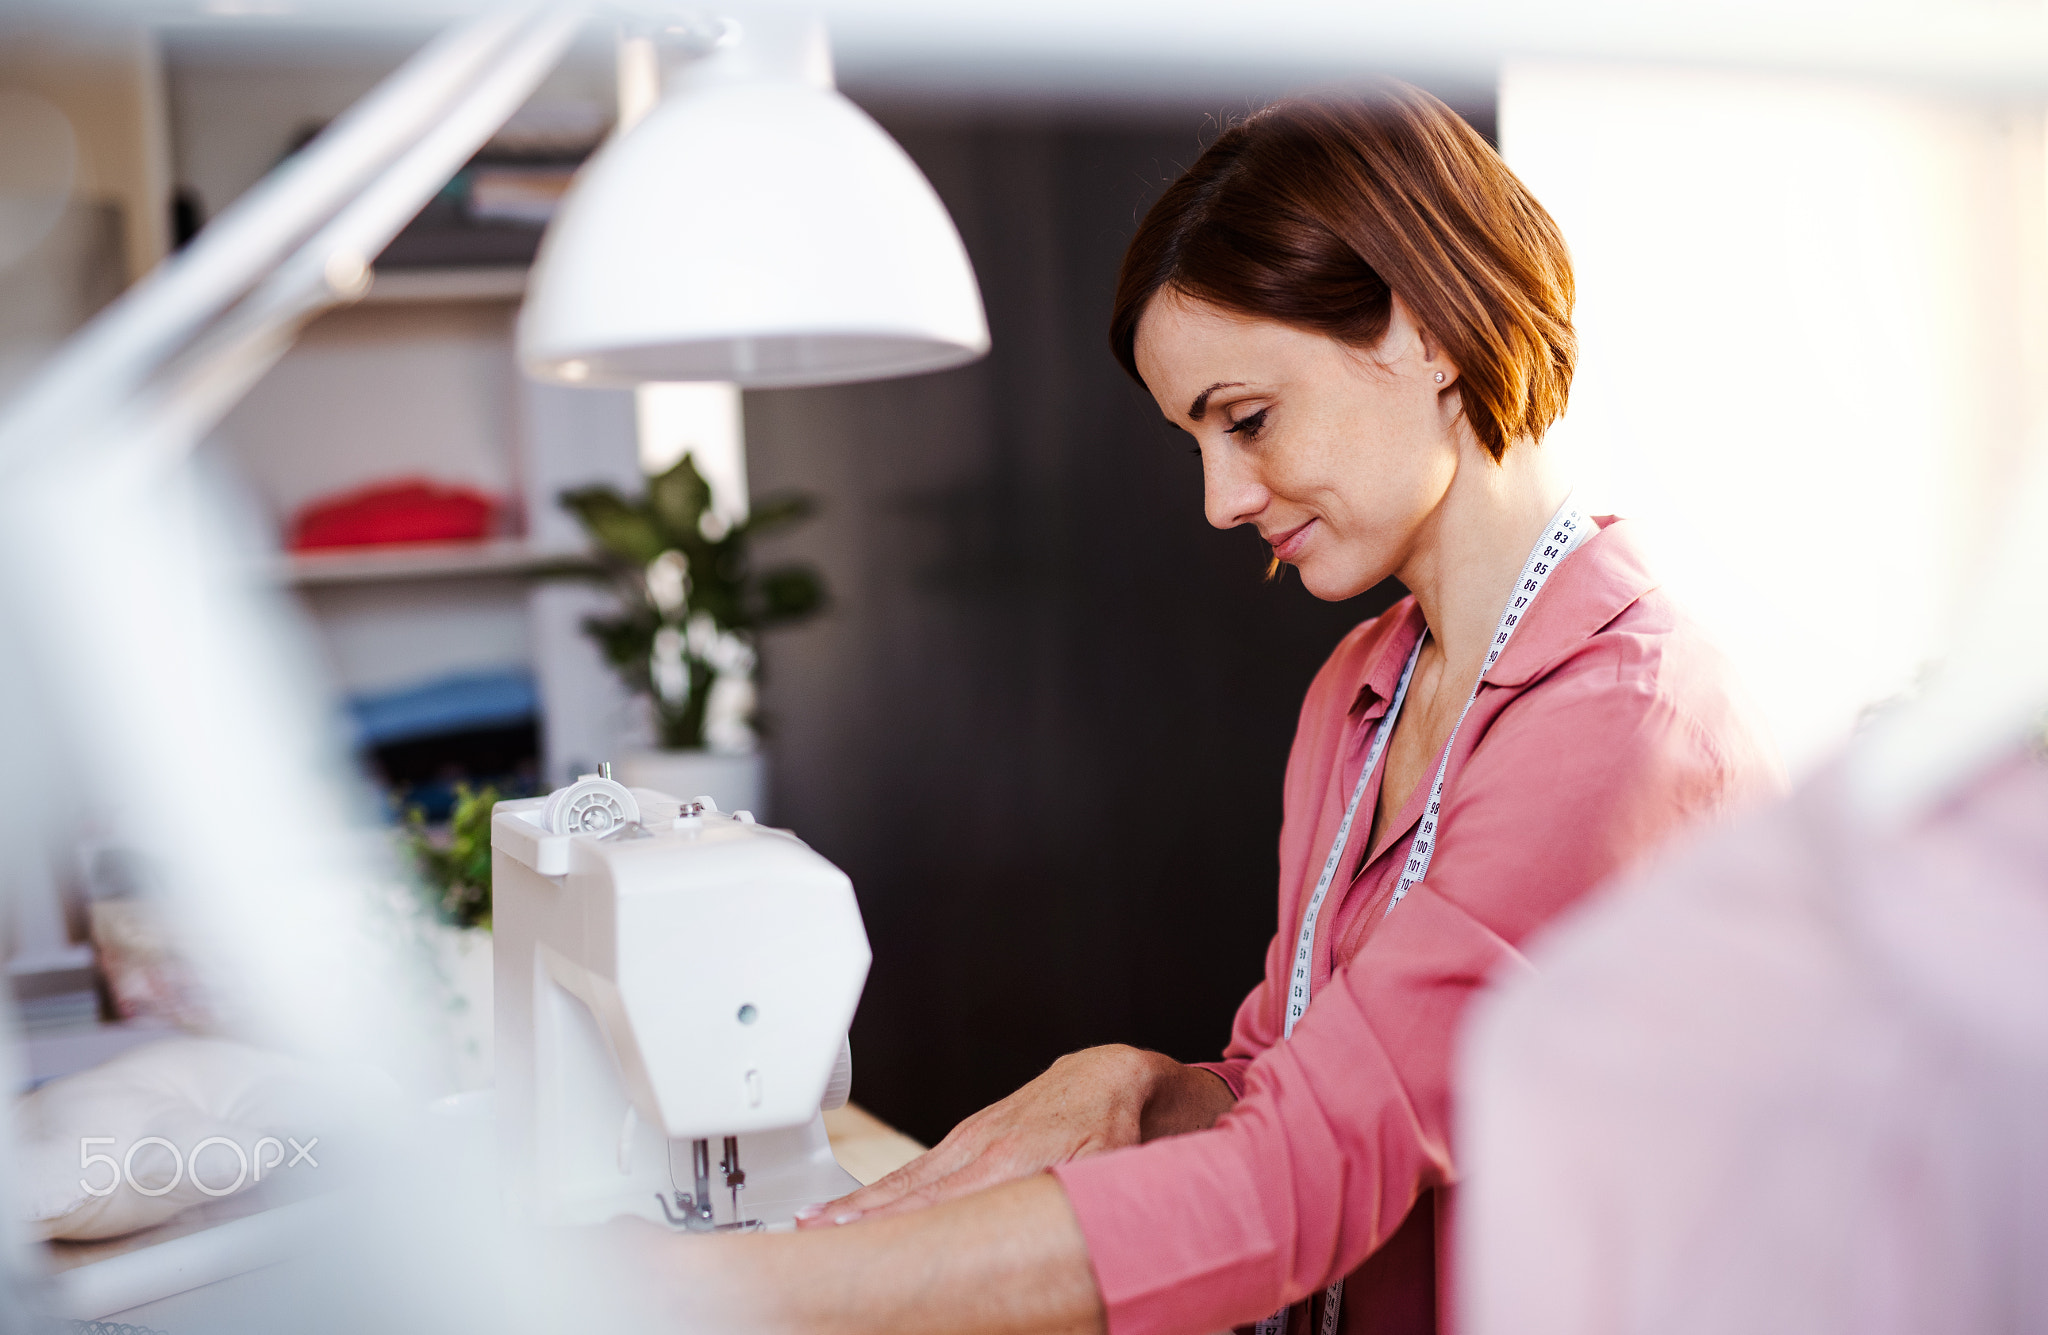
1436,364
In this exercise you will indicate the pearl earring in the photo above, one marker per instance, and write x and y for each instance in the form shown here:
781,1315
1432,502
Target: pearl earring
1439,377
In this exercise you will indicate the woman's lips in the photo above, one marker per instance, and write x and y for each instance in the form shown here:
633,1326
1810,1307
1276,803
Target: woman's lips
1288,545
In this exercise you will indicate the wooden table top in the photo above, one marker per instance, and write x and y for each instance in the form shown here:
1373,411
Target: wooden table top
865,1145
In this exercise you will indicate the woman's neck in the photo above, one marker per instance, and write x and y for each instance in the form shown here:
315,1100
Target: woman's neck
1474,544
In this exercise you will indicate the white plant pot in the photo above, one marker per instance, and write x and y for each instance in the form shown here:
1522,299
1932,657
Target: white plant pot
735,782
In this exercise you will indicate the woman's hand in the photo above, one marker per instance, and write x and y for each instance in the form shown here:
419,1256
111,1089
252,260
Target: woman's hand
1011,1261
1089,1101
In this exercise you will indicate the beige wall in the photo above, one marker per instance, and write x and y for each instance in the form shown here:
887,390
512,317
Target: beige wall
108,81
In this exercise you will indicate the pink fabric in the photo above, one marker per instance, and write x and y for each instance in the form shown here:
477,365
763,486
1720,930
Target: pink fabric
1607,724
1792,1080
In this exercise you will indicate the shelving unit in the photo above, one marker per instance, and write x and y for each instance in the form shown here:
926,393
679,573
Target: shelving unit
417,378
395,286
418,561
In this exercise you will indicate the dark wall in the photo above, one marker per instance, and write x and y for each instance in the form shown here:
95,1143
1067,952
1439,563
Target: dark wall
1044,722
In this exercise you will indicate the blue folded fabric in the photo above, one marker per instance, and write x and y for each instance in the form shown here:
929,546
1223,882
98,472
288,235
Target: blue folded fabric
460,703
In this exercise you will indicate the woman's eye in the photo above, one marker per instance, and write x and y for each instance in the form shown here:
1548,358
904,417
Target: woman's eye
1250,427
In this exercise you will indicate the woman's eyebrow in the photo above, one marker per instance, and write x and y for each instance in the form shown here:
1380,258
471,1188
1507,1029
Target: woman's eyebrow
1201,403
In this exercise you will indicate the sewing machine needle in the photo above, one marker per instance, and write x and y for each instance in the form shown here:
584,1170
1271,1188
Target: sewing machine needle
734,1177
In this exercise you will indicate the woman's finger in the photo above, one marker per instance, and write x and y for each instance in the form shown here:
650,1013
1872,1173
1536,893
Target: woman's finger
915,1199
978,1174
988,1170
928,1167
869,1197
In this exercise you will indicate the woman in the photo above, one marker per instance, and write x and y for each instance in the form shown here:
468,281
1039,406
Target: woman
1363,319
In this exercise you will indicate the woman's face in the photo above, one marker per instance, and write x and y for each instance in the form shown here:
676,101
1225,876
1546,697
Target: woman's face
1337,455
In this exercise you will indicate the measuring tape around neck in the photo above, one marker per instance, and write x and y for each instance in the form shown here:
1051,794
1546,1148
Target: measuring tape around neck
1304,943
1567,526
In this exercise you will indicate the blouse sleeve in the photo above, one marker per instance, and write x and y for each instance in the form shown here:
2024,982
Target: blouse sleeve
1337,1131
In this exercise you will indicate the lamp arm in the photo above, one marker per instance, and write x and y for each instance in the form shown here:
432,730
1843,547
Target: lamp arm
238,290
196,387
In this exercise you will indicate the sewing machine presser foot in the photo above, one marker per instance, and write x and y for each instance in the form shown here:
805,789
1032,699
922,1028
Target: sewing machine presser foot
686,1216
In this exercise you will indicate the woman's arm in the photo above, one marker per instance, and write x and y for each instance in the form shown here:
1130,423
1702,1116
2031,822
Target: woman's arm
1341,1127
1094,1100
1008,1261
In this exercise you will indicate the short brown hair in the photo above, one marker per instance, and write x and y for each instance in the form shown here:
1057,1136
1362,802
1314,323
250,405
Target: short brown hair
1315,211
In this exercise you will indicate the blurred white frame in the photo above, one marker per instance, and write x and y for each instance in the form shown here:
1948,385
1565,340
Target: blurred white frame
1812,337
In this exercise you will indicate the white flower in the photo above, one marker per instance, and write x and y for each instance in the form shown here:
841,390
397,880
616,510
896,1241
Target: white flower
729,714
670,674
723,651
732,657
713,525
668,583
703,632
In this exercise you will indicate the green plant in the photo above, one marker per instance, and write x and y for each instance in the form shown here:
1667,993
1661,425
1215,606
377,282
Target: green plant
690,602
456,864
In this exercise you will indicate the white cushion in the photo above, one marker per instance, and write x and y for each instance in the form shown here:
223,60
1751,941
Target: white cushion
192,1094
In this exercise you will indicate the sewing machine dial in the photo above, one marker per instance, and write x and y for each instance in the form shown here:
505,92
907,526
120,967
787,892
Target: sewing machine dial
591,805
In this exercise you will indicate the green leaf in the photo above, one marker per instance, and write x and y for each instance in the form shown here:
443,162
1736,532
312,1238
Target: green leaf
619,527
779,511
682,728
632,533
456,867
789,592
677,500
626,641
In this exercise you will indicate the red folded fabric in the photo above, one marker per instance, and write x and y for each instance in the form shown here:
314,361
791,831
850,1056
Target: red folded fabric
409,509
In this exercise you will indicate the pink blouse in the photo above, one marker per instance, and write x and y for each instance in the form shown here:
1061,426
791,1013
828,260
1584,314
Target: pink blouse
1608,723
1791,1078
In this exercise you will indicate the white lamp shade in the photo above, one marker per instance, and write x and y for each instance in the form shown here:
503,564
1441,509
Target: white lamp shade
762,231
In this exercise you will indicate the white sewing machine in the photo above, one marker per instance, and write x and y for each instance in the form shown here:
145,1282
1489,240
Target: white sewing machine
667,976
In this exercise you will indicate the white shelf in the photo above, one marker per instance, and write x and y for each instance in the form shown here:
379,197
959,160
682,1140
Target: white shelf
393,286
415,561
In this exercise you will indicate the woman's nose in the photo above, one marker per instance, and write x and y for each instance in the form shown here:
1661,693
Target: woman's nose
1231,493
